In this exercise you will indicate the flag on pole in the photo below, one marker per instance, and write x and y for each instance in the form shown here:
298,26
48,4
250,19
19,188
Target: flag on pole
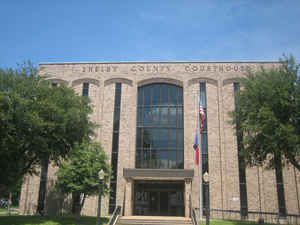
200,122
202,118
196,148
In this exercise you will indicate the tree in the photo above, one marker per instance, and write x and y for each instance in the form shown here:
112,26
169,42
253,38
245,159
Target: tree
79,174
267,115
38,124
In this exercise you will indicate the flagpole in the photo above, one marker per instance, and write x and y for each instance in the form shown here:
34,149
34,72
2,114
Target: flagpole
200,163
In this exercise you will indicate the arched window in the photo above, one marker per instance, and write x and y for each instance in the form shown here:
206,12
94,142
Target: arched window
159,140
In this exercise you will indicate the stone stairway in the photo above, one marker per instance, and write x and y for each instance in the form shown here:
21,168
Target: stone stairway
153,220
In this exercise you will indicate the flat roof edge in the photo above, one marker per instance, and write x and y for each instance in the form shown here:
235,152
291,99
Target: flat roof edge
152,62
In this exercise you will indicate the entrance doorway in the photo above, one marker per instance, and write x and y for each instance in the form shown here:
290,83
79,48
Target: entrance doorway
159,198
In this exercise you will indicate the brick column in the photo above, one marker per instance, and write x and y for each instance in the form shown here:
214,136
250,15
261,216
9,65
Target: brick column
187,197
128,197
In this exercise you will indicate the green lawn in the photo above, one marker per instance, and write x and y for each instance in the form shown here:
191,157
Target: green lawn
5,210
47,220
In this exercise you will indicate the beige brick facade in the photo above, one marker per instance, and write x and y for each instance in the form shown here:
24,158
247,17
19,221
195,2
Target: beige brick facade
222,142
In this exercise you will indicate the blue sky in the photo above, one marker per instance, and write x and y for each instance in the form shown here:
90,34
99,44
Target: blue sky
148,30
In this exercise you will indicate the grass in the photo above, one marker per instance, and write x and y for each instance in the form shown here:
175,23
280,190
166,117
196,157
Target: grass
12,209
48,220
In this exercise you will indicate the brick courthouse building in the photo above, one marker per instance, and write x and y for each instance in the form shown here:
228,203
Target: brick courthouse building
147,112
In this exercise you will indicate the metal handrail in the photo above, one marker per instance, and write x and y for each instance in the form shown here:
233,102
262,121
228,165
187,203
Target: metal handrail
194,218
114,218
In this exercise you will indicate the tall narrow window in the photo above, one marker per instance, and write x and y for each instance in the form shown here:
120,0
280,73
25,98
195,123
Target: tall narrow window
280,187
241,162
159,141
85,89
204,142
115,148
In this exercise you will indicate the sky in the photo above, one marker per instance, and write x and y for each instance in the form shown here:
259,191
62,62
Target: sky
147,30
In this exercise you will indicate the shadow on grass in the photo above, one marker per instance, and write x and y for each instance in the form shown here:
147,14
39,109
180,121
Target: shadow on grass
48,220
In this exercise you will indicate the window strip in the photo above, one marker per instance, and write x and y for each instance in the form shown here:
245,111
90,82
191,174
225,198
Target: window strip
85,89
280,187
241,162
204,144
115,147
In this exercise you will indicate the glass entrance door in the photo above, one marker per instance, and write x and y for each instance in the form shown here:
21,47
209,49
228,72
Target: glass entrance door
159,198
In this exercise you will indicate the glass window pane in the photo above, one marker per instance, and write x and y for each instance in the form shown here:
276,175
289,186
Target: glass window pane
118,86
145,159
147,138
163,134
160,127
118,98
179,117
173,117
115,145
85,89
117,119
180,159
155,138
140,116
179,138
164,94
156,94
205,121
172,138
147,95
155,116
163,159
147,116
114,163
138,159
173,95
172,160
164,116
139,138
205,163
140,96
179,90
203,95
204,142
154,159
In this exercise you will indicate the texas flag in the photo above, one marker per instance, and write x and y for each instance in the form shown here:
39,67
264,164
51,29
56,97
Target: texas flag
196,148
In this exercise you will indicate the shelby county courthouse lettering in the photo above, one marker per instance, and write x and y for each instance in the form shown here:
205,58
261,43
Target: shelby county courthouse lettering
164,68
147,114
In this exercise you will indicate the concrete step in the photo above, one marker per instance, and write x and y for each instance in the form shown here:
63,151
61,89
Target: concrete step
153,220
